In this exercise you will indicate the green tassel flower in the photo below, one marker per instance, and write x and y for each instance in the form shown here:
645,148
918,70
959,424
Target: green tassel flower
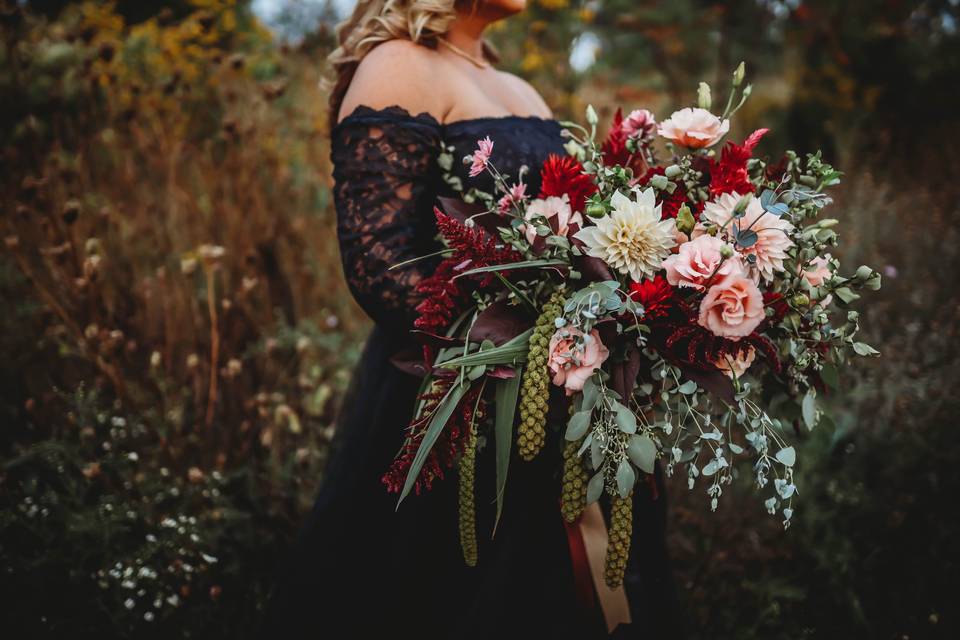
573,494
466,501
618,545
535,388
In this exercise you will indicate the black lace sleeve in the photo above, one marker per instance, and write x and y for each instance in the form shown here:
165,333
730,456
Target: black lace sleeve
385,184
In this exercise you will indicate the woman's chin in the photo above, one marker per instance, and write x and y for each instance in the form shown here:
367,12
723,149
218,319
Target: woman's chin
494,9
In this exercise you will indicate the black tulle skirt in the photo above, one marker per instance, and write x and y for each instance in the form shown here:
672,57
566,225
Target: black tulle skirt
361,568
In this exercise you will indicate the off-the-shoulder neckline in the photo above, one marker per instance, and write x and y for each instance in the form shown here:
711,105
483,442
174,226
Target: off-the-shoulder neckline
398,111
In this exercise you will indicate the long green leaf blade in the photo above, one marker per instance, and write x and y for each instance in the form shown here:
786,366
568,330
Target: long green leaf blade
506,398
440,418
523,264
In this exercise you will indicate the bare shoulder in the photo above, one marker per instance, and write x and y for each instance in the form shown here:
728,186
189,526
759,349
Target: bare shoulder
398,73
525,90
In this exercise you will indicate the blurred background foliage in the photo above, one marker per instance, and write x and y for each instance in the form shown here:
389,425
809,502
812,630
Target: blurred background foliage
176,334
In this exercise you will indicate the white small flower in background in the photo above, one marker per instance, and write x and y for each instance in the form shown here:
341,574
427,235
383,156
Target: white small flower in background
211,254
188,265
633,239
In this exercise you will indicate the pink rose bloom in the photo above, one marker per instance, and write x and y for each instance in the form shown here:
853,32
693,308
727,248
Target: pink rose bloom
773,233
574,357
639,124
515,197
732,308
817,272
481,156
734,366
694,128
698,260
557,212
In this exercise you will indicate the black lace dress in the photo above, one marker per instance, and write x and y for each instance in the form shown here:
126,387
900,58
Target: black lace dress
362,568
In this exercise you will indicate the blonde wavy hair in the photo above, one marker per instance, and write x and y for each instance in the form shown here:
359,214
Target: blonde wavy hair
374,22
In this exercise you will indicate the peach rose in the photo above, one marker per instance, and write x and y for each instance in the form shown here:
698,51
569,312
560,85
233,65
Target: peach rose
732,308
698,260
817,272
734,366
694,128
574,357
549,208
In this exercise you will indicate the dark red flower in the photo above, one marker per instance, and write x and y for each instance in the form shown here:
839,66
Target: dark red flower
445,450
564,175
670,205
614,148
729,174
778,303
441,294
655,295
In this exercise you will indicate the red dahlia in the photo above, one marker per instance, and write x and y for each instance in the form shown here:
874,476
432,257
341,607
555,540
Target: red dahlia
729,174
655,296
564,175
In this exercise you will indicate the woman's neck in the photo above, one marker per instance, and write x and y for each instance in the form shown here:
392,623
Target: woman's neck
466,33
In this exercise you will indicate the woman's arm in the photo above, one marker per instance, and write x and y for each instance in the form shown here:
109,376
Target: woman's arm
386,180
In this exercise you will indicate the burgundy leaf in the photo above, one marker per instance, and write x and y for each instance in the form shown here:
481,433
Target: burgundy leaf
500,323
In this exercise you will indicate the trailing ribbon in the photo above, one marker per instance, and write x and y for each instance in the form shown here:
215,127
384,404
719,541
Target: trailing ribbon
587,538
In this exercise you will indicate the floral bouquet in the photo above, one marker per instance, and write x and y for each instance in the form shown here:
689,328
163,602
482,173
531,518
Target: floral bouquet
686,311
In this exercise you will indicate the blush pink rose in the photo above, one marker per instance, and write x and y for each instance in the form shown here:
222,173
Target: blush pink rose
557,212
698,260
574,357
817,272
694,128
732,308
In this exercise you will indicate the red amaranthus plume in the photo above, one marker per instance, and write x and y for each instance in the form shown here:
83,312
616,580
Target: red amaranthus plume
444,452
442,295
729,174
564,175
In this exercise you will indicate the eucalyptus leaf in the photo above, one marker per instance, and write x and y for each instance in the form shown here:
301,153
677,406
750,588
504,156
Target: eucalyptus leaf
626,421
863,349
787,456
687,388
578,425
847,294
596,454
830,376
591,393
746,238
808,409
585,445
626,477
711,468
642,452
595,488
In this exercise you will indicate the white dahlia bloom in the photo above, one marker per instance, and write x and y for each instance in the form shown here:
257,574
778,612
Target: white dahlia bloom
773,233
632,239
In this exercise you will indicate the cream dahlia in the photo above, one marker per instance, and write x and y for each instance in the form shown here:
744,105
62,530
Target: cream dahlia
773,232
633,239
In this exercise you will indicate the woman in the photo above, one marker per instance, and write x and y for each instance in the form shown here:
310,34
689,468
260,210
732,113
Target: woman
413,75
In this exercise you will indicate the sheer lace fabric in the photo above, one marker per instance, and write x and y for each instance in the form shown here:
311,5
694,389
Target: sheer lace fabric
386,178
